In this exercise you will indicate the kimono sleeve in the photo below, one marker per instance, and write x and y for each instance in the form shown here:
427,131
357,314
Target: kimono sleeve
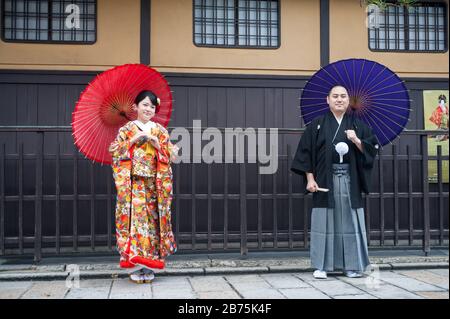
370,147
164,155
120,147
303,159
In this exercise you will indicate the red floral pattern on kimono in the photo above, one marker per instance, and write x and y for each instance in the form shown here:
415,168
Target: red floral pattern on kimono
143,178
440,118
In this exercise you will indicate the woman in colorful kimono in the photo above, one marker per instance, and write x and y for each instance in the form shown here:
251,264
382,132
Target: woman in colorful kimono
142,154
440,114
440,117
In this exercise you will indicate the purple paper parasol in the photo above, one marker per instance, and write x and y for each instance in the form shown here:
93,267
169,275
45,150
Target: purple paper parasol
377,95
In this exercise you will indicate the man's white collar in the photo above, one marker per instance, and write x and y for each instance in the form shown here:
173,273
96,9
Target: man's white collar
339,120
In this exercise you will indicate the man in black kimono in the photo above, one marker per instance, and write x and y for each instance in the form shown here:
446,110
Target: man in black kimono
336,155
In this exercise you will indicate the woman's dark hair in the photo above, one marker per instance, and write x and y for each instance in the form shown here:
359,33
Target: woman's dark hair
442,97
152,96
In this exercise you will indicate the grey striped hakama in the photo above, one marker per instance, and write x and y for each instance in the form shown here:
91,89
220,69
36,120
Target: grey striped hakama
338,235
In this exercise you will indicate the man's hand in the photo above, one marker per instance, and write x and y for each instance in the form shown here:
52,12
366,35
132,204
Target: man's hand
351,135
312,185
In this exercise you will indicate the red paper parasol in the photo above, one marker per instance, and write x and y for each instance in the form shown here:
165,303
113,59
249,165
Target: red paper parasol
106,105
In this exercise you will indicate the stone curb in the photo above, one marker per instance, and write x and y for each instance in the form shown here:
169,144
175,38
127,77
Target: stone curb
235,270
32,276
119,273
420,265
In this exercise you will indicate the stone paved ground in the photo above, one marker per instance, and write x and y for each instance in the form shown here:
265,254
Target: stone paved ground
404,284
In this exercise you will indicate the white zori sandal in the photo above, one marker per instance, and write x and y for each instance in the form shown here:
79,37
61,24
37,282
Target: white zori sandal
137,277
142,275
320,274
148,275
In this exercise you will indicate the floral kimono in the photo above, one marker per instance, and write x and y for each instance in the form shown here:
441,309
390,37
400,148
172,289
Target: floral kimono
440,117
143,179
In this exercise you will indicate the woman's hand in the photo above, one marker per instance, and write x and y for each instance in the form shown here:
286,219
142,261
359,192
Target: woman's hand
155,142
146,137
138,137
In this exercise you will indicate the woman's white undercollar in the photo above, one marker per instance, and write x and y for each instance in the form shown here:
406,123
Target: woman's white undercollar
145,127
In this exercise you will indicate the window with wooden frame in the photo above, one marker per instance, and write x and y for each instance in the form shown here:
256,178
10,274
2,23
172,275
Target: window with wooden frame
237,23
49,21
421,27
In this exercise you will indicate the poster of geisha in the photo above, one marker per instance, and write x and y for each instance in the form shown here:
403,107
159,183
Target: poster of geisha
435,104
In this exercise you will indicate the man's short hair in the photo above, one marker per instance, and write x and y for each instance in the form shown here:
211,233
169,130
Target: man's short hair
335,86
